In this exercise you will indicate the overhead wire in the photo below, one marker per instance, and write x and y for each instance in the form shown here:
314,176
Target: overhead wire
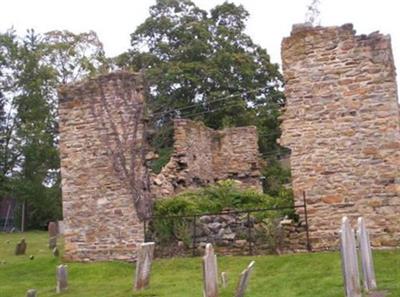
162,113
221,99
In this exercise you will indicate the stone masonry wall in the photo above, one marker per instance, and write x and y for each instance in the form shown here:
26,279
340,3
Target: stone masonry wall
101,127
202,156
342,125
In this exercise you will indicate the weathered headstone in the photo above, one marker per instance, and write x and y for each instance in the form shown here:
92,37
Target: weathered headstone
210,272
62,278
367,262
56,252
61,227
143,265
224,279
20,249
52,228
348,252
31,293
244,280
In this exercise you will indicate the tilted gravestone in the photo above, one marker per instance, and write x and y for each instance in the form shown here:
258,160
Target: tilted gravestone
143,265
224,279
348,252
244,280
56,252
52,228
62,278
367,263
210,272
31,293
20,249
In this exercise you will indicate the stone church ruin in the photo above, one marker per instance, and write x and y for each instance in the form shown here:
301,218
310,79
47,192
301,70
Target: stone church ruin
106,192
341,124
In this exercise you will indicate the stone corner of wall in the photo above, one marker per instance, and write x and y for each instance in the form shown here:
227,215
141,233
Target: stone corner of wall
304,29
188,123
69,91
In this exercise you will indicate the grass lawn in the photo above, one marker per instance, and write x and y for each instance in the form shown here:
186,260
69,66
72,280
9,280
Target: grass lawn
299,275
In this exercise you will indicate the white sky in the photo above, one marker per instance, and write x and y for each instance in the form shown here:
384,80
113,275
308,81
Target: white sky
269,22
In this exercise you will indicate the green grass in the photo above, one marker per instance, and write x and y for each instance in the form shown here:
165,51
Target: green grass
299,275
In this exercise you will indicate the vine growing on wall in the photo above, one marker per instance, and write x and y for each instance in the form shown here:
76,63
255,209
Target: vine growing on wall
127,141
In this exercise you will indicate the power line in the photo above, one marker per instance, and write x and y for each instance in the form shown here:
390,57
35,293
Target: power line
212,110
209,102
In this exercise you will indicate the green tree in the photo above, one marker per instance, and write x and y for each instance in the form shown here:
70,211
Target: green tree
9,153
203,66
74,56
36,130
31,69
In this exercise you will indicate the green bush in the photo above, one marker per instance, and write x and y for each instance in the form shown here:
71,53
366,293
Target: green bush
213,199
276,177
164,155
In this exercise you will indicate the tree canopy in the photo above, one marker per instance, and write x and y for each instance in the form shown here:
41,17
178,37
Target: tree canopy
31,69
197,64
202,65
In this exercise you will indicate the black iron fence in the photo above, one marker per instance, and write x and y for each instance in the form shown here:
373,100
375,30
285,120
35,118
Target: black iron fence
245,232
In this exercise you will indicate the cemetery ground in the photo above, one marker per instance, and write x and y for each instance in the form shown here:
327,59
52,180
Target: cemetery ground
290,275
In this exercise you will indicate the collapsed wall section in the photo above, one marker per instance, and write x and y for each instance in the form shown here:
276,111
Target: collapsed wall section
203,156
342,126
101,141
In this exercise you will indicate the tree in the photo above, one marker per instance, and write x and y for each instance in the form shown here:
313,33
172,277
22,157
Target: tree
203,66
74,56
36,178
9,153
31,68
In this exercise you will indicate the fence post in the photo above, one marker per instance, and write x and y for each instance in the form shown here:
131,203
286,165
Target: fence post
306,218
194,237
249,234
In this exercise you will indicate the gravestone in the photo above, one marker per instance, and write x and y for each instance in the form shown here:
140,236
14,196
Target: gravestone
31,293
62,278
367,262
348,253
244,280
143,265
224,279
20,249
61,227
56,252
52,228
210,272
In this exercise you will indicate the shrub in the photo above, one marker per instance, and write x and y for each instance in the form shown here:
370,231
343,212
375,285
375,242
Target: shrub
213,199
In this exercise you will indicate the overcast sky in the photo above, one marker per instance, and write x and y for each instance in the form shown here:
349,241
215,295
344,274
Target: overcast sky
269,21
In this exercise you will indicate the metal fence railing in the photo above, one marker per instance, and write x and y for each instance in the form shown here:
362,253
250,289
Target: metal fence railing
246,232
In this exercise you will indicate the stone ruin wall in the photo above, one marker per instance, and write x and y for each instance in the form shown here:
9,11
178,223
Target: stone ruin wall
100,118
342,125
203,156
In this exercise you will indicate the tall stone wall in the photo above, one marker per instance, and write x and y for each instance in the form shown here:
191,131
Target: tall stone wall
202,156
101,128
342,126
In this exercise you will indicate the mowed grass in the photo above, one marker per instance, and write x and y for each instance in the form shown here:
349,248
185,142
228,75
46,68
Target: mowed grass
298,275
